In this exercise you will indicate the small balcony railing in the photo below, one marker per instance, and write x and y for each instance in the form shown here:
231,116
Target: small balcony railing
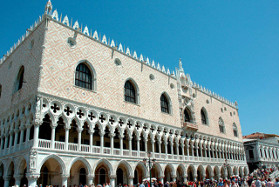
190,126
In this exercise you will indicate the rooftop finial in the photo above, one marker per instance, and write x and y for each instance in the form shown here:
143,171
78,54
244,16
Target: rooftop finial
48,7
180,65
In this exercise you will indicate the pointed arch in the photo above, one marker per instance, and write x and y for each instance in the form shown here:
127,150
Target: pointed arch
56,158
204,116
187,115
19,79
85,75
84,161
131,91
166,105
235,130
221,125
106,163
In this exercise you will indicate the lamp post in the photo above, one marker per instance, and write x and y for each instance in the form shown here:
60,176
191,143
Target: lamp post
150,164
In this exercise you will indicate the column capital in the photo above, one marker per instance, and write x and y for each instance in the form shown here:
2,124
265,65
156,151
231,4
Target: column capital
18,177
90,176
32,176
65,176
131,177
112,176
121,136
111,135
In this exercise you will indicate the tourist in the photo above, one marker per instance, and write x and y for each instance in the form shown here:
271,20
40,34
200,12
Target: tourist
258,183
276,184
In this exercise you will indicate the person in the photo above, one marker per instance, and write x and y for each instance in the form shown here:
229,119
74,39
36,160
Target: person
220,183
276,184
269,183
258,183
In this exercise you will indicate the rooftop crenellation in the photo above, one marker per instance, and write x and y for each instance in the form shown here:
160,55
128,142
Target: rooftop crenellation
108,42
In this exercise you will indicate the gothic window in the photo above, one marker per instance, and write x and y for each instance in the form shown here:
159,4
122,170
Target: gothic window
130,92
187,115
83,77
165,106
19,79
235,131
221,125
203,117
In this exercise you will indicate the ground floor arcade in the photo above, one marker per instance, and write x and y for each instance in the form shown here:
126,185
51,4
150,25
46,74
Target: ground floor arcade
70,170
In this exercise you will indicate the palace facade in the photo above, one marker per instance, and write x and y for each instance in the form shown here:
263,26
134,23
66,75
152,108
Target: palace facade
79,108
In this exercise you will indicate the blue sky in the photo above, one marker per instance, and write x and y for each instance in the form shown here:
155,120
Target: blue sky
230,47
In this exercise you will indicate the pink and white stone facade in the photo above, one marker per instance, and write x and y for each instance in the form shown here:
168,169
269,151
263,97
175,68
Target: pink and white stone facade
50,62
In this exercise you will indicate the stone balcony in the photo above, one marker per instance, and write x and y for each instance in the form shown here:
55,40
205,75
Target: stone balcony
190,126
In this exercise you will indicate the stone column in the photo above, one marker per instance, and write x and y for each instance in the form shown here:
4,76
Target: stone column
6,141
171,145
90,179
185,178
183,154
67,137
195,176
161,179
21,136
102,140
173,178
17,179
138,145
32,179
131,181
111,135
79,138
11,140
130,145
112,180
36,135
65,180
6,181
177,148
192,148
91,140
153,148
160,148
166,148
209,152
145,145
27,134
52,136
121,144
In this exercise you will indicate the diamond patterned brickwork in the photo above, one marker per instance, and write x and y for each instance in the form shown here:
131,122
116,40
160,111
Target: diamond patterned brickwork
60,61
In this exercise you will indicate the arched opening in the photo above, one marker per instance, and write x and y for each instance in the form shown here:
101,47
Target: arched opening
142,144
96,135
235,171
200,173
126,139
31,137
83,76
73,132
50,173
180,174
190,173
149,144
130,92
85,137
139,174
216,173
208,172
22,171
107,137
45,129
122,174
116,139
78,173
165,104
223,173
60,131
230,172
10,173
170,143
204,119
19,79
167,173
235,131
102,173
187,115
156,144
221,125
134,141
163,146
1,175
155,171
